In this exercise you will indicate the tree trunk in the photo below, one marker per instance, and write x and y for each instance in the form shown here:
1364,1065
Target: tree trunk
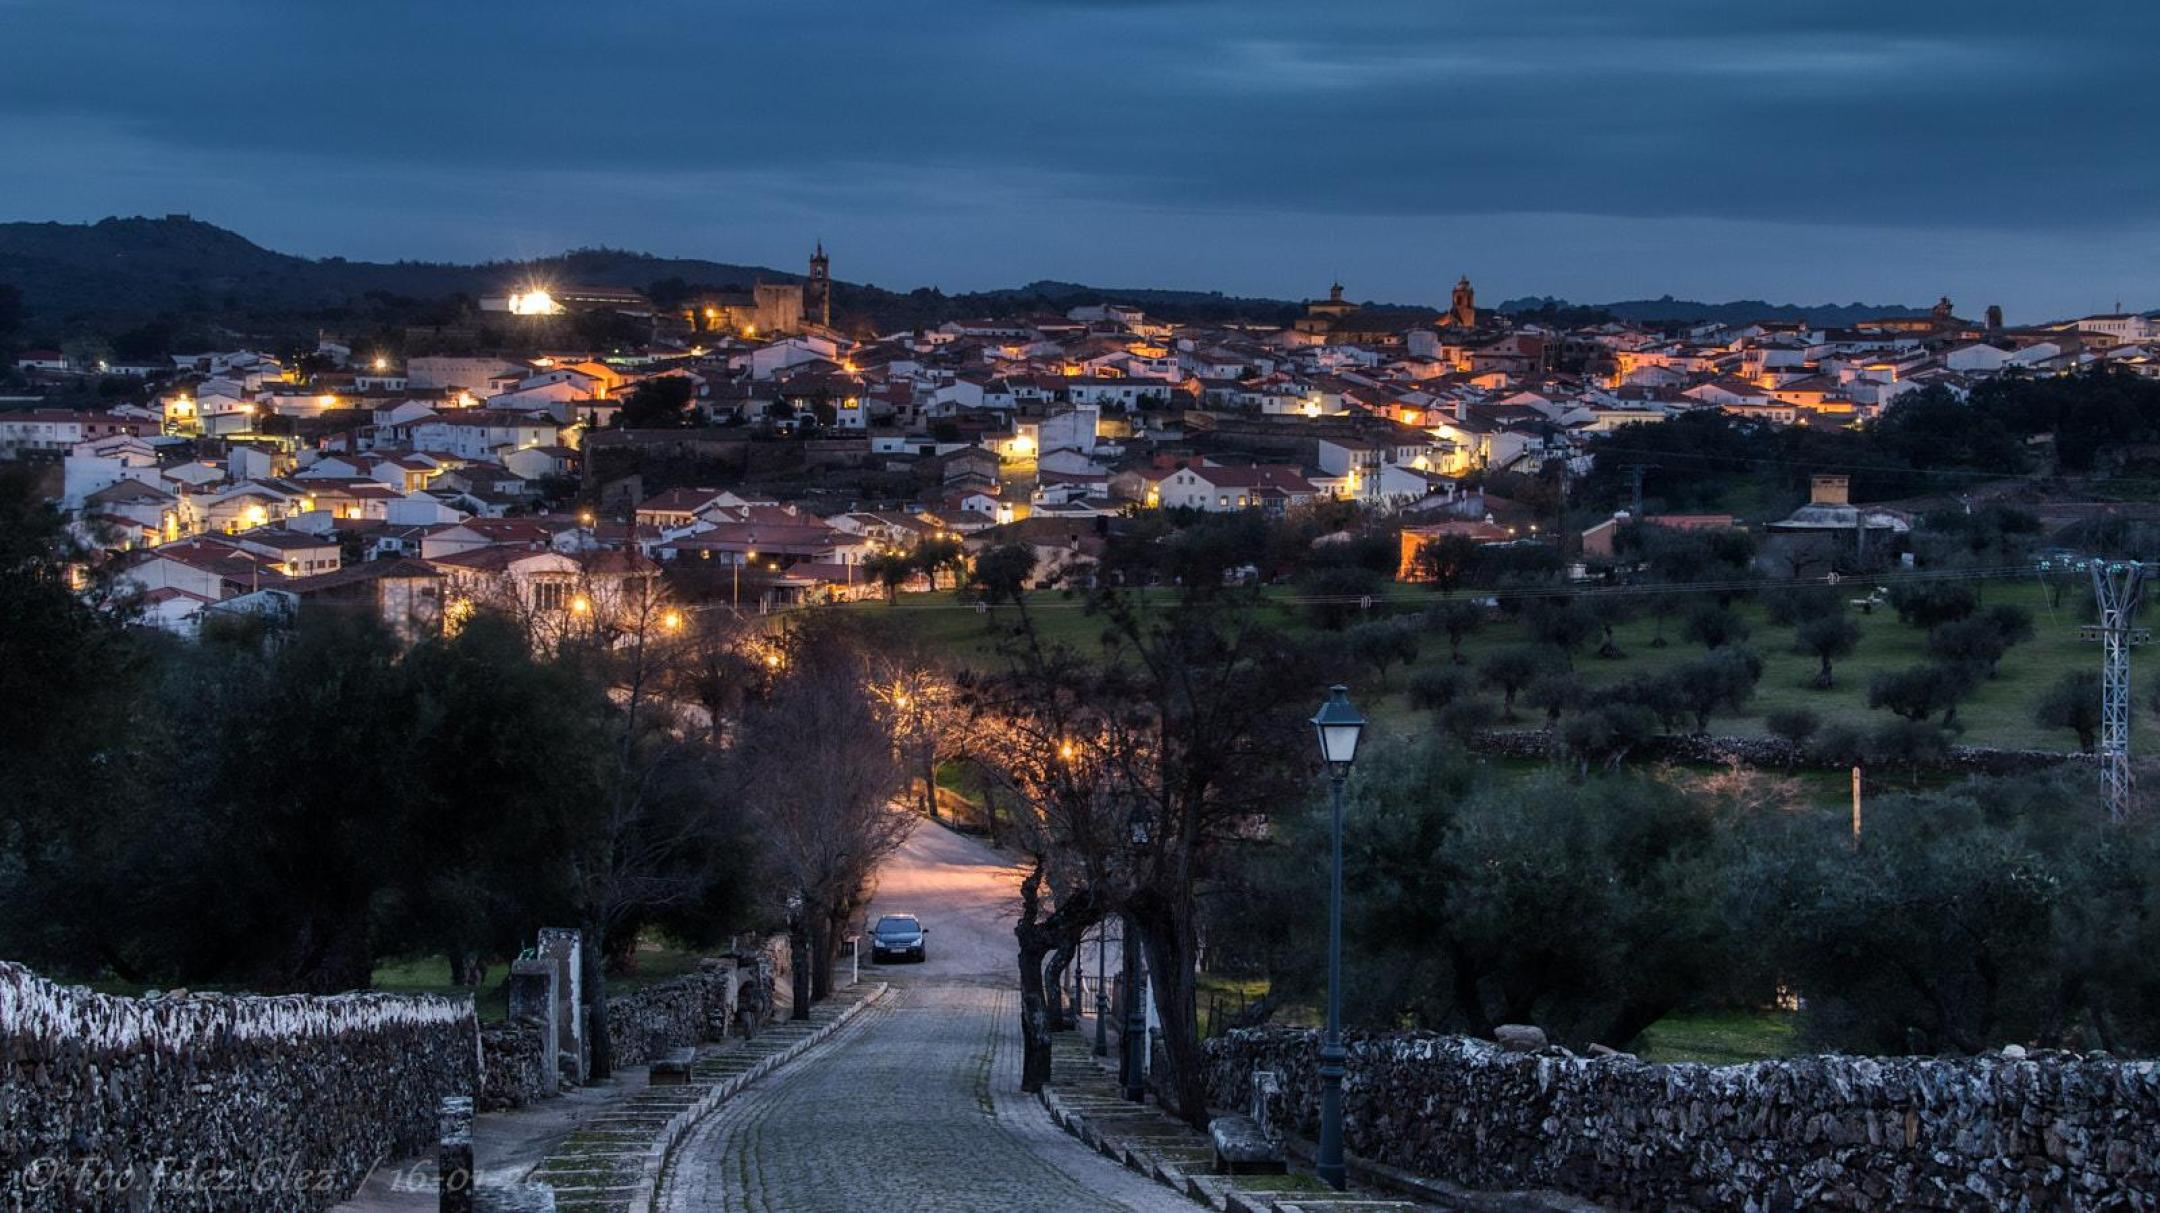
1038,936
467,969
1057,1017
1034,942
1167,938
820,960
599,1041
799,966
331,955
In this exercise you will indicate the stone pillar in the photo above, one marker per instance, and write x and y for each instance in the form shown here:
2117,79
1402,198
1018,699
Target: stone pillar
454,1155
532,989
561,946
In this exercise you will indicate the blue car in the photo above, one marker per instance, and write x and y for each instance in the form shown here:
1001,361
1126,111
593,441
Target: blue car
897,935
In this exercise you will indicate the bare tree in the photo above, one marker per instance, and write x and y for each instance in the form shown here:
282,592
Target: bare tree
659,836
1134,768
819,771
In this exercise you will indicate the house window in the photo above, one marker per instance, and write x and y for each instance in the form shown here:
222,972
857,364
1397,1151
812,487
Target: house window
551,595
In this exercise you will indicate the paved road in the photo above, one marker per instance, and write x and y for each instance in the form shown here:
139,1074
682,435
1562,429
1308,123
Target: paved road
915,1105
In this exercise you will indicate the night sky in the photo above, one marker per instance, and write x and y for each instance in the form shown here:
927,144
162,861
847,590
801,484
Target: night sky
1888,151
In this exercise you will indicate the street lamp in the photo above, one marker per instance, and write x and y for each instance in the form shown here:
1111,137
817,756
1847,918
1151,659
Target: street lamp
1337,725
1141,825
1102,990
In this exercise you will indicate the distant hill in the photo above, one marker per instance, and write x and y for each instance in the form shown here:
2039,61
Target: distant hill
120,271
1738,311
143,267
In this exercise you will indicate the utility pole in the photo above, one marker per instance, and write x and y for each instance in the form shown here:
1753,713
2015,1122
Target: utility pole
2116,586
1856,806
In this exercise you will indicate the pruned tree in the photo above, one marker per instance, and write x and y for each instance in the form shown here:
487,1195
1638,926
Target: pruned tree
1001,574
1138,766
1382,643
1714,626
1458,620
1825,637
817,767
1918,692
1509,671
2073,703
890,570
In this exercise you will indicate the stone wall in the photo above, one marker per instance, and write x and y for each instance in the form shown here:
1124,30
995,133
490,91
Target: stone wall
670,1015
212,1102
1771,753
2051,1131
515,1068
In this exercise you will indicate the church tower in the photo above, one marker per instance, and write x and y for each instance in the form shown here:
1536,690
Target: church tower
1462,306
818,294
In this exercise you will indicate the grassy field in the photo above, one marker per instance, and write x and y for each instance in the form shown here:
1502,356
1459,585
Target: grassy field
1720,1038
1998,714
656,962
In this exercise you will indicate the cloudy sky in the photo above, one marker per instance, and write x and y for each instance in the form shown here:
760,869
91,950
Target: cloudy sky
1888,151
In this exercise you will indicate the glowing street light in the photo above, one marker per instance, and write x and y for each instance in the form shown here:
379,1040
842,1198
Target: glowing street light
1337,726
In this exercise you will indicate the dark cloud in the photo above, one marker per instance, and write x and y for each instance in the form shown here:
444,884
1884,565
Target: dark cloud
1063,127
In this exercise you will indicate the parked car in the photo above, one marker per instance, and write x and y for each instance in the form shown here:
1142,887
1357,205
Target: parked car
898,935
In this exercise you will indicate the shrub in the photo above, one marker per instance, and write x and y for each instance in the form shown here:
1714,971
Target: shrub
2073,703
1714,626
1795,725
1432,689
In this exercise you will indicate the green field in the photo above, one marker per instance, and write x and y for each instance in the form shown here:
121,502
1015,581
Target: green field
1719,1038
656,962
1998,714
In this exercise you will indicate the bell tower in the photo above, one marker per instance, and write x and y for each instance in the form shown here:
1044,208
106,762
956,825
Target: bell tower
818,294
1462,305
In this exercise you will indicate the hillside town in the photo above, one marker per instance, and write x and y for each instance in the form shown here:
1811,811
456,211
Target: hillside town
750,438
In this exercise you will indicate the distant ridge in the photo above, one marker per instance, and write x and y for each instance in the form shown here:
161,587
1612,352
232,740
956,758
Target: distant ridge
145,266
135,268
1738,311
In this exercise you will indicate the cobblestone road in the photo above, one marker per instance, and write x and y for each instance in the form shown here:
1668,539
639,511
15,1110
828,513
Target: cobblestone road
916,1104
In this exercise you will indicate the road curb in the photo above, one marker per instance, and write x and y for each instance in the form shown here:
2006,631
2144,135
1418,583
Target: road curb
671,1134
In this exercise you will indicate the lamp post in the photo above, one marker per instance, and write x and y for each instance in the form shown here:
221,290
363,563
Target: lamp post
1102,992
1132,1035
1337,725
1134,1038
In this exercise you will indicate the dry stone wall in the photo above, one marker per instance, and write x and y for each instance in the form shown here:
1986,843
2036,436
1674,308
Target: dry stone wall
211,1102
670,1015
515,1068
2051,1131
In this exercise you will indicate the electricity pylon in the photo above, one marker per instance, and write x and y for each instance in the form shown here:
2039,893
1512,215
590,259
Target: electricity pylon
2116,586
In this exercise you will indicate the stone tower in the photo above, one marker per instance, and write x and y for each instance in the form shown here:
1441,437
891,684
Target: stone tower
1994,317
1462,306
817,296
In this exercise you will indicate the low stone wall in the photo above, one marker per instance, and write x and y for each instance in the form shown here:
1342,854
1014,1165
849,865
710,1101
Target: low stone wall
684,1011
515,1069
1768,752
211,1102
2053,1131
